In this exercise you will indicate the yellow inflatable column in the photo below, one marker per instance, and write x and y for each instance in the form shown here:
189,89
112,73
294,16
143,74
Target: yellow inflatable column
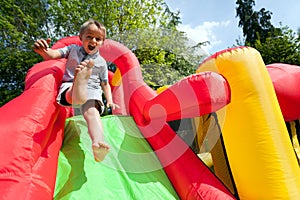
261,157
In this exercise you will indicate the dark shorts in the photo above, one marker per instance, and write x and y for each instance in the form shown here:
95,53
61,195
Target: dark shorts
61,99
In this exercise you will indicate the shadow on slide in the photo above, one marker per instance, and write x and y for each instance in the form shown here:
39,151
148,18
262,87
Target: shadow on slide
130,171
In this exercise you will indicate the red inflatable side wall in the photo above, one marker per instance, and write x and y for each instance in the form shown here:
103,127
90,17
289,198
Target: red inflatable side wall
31,130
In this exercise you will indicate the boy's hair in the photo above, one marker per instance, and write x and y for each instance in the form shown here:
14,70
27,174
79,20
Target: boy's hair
98,24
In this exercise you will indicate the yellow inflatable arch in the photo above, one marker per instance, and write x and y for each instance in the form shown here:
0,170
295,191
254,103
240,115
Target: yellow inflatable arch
260,154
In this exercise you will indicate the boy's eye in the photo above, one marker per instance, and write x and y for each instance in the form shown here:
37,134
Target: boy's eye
91,38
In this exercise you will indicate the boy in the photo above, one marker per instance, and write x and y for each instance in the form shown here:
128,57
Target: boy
84,80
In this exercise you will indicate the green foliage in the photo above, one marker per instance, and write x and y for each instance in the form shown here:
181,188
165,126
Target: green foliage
283,48
117,16
162,67
20,24
275,44
164,47
157,75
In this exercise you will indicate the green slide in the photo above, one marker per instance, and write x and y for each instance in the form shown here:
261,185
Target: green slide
131,171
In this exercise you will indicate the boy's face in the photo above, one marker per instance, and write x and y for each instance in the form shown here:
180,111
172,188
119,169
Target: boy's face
91,39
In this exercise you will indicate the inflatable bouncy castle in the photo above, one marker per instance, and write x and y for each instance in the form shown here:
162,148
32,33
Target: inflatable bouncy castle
45,153
259,151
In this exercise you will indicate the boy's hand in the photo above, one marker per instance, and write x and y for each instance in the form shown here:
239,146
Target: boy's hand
112,106
41,45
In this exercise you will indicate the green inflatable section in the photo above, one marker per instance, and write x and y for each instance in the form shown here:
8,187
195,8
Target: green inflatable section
130,171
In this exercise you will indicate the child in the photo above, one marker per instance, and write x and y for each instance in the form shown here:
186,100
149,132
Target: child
84,80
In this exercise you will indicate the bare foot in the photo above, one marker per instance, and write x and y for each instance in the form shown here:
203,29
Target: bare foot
82,75
100,151
84,71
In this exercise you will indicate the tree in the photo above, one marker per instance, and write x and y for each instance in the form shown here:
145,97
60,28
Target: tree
283,48
275,44
255,25
20,23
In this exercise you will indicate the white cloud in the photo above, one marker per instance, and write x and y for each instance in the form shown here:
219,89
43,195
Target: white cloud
204,32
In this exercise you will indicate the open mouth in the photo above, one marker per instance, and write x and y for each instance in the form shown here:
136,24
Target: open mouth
91,48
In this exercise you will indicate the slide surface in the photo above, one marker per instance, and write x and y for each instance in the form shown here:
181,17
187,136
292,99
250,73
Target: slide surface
130,171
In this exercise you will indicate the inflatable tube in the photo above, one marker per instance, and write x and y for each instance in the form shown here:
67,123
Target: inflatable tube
192,96
257,143
286,82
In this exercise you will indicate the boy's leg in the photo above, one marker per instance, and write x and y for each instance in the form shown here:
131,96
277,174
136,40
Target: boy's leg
77,94
95,128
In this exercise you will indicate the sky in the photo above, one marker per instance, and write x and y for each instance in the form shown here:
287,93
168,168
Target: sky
215,20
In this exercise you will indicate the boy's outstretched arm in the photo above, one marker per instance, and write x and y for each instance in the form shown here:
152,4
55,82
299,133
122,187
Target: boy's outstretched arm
42,47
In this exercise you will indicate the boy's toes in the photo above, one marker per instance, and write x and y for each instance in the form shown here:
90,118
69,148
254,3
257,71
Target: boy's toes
100,151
